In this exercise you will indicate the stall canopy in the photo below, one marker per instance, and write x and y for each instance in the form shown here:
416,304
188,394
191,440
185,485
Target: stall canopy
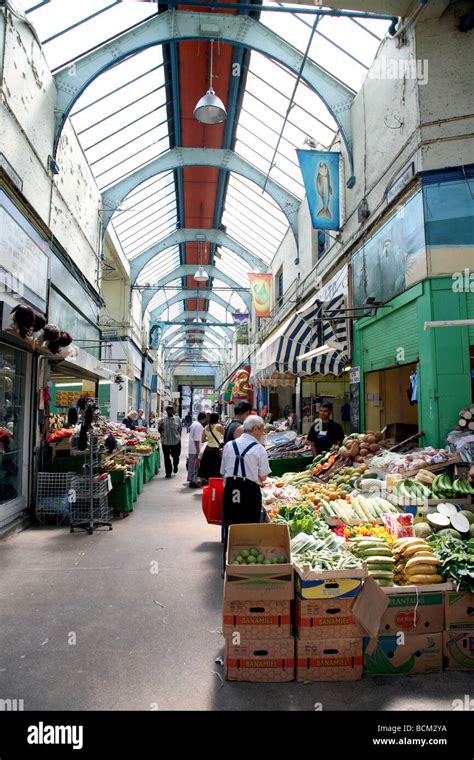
320,326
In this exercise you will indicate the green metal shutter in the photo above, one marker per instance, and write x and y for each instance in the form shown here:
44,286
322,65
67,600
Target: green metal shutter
392,340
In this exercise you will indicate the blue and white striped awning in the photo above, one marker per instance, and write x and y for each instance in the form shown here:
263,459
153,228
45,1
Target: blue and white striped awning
317,326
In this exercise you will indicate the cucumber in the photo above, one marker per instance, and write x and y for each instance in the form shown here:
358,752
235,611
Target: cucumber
373,475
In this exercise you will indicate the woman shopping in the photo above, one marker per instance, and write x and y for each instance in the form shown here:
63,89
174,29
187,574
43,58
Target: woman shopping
213,436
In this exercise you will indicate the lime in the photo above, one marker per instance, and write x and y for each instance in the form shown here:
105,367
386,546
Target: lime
251,560
260,559
254,552
281,560
267,562
238,559
244,553
274,561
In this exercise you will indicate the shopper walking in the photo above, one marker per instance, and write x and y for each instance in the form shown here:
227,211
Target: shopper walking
245,468
187,422
213,437
194,447
170,429
234,428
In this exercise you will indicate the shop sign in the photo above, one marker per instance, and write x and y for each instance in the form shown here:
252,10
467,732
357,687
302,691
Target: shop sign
261,289
355,375
147,373
400,182
25,258
320,170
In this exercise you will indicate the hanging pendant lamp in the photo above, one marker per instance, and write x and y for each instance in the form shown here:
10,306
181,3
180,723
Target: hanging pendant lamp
210,109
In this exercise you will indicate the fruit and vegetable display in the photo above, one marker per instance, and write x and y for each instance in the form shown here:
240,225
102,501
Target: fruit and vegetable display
377,553
254,556
419,459
415,563
357,446
59,435
456,560
435,487
324,553
357,508
57,421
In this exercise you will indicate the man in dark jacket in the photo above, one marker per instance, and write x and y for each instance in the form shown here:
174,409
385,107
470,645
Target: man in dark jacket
235,427
130,420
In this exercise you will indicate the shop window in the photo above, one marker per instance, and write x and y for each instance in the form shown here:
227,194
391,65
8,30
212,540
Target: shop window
12,421
279,287
322,244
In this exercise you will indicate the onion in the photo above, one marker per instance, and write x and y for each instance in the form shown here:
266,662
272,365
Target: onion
354,450
378,436
374,447
364,452
371,439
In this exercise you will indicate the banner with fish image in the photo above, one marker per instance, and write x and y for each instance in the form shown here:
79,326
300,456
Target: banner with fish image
261,290
320,171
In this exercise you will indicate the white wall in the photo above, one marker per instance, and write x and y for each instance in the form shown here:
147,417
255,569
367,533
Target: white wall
69,202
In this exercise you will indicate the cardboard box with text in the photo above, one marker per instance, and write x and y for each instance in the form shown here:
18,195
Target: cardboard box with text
329,659
261,619
413,613
324,618
249,582
260,661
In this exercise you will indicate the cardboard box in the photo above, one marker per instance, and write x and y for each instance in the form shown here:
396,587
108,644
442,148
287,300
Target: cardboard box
257,582
325,618
264,619
328,584
419,653
459,650
329,660
459,610
260,661
413,612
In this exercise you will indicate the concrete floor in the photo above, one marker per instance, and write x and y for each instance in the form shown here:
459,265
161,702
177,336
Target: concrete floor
146,640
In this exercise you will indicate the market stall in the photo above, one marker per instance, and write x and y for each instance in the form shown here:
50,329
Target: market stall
131,458
360,529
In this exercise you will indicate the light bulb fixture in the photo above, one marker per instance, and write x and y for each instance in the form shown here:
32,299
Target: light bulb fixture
210,109
201,275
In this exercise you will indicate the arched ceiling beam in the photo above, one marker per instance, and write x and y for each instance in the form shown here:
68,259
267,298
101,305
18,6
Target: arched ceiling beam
187,270
239,30
183,295
190,236
220,158
224,340
228,329
217,340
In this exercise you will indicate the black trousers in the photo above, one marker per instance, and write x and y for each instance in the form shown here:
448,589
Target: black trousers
171,452
242,503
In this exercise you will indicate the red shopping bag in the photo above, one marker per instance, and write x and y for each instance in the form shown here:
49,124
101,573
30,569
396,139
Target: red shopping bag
212,499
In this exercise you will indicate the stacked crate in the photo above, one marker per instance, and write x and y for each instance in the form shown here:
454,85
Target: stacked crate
328,636
257,608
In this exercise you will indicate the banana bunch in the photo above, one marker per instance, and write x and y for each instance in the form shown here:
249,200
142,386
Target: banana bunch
415,563
443,488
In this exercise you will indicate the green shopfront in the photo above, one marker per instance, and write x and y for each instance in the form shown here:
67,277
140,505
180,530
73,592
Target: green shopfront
417,265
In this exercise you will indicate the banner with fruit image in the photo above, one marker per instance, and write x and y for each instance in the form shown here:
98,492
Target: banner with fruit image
261,290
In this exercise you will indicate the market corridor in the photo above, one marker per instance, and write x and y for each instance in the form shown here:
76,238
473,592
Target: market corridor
131,619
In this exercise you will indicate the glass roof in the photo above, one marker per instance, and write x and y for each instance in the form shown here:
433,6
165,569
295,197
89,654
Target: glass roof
122,124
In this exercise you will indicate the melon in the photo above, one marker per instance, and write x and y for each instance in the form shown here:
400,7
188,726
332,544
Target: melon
422,530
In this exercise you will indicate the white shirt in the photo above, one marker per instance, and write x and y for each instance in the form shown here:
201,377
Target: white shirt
195,434
256,460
